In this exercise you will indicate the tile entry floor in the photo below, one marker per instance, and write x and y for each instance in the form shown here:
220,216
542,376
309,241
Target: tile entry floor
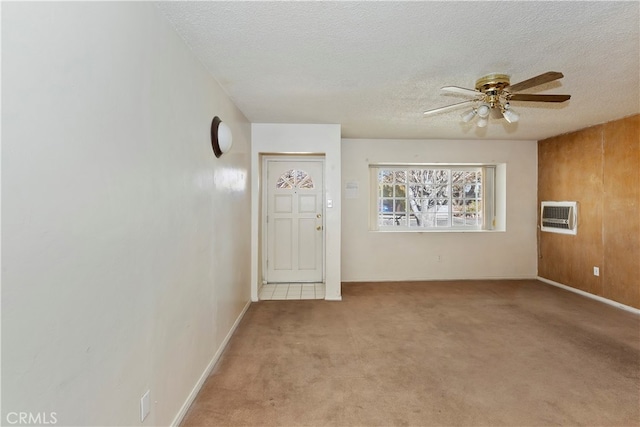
280,291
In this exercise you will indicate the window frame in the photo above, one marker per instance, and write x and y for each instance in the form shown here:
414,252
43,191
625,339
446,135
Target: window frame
487,196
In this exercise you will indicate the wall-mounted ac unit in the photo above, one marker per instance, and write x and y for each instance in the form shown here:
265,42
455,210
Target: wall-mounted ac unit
559,217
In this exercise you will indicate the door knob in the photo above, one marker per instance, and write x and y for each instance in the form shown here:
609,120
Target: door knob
319,216
319,227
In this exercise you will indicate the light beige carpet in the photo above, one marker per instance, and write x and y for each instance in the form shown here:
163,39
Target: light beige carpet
467,353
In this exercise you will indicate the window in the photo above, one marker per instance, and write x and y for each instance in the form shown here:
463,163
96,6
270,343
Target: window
432,197
295,179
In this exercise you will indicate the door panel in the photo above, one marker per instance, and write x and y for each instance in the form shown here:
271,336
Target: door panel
294,220
307,234
283,203
282,234
307,203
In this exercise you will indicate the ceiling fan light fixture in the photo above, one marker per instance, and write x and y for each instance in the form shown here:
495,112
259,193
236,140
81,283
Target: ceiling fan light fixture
510,115
483,111
466,117
492,94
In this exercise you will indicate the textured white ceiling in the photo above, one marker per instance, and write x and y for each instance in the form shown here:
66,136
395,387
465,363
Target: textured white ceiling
374,67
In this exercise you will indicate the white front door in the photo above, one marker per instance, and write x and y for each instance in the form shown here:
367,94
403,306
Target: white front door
294,226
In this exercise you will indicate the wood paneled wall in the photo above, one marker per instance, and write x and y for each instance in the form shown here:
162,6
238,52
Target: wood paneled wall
600,168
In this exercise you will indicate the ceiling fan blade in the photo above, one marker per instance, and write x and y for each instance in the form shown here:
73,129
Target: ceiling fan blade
547,77
449,107
539,98
461,90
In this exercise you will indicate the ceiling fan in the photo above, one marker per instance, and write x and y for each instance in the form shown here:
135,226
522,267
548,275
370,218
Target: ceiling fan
493,94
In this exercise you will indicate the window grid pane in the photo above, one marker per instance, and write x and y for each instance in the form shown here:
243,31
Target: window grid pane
295,179
430,198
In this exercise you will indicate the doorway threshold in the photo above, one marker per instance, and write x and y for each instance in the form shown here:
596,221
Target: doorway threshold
291,291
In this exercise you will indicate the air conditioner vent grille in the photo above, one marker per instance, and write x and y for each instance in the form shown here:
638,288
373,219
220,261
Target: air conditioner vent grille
556,216
559,217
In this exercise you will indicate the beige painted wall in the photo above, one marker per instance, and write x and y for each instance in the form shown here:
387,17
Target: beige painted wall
600,168
382,256
125,243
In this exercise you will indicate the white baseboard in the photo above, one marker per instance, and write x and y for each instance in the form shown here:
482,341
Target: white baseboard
196,389
592,296
438,279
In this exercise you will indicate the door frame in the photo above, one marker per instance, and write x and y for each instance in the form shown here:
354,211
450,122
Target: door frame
265,159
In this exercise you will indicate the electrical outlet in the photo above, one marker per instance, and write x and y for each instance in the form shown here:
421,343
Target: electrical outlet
144,406
596,271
